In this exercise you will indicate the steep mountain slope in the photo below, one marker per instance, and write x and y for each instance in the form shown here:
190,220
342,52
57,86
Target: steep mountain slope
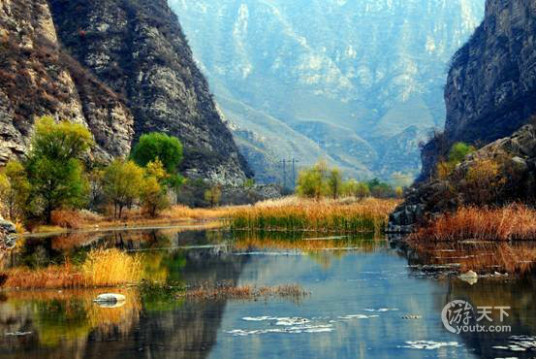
137,47
38,78
372,68
491,87
122,68
490,95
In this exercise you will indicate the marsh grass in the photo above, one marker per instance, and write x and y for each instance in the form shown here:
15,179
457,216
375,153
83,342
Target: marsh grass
225,290
514,222
292,214
102,268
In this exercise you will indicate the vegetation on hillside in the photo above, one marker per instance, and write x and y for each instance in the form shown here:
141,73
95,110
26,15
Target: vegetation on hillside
58,174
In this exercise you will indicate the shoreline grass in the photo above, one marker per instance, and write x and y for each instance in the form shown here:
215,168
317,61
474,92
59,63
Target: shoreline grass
514,222
293,214
102,268
349,215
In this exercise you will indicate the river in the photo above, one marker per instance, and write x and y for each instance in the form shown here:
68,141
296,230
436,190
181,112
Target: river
367,298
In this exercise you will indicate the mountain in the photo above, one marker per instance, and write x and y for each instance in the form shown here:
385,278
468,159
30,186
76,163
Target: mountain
122,68
345,80
491,102
491,87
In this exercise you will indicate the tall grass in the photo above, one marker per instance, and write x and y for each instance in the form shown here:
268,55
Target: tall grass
102,268
512,222
345,216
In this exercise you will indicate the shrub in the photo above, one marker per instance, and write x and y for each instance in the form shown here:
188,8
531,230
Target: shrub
16,197
213,195
484,182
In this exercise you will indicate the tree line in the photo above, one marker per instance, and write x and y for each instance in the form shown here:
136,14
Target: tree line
58,172
321,181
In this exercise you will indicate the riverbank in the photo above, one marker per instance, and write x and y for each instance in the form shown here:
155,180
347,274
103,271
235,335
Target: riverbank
514,222
349,215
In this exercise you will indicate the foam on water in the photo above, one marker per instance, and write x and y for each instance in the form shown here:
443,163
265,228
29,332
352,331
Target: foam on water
428,345
357,316
519,343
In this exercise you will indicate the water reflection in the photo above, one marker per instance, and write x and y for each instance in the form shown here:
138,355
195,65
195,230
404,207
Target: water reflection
368,300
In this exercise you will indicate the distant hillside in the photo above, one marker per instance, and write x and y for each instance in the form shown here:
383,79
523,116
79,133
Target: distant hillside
339,79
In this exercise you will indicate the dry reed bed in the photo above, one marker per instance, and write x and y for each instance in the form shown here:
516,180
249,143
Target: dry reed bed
514,222
177,214
246,292
485,257
348,216
102,268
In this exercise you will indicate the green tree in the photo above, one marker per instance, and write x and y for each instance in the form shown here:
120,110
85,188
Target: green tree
153,196
353,188
380,189
334,183
153,146
122,184
54,165
16,197
312,181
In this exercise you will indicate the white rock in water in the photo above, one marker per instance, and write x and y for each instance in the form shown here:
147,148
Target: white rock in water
469,277
110,298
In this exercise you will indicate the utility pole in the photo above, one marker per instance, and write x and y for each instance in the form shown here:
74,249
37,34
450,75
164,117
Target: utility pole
284,162
294,161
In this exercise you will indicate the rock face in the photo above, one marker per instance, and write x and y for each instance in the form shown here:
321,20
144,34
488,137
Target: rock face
491,87
428,199
38,78
138,49
120,67
333,78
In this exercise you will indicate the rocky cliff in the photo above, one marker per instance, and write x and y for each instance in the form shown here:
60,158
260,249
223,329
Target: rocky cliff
503,171
490,94
122,67
491,86
37,77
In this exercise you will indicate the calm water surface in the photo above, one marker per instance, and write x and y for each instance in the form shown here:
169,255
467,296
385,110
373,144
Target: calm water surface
368,300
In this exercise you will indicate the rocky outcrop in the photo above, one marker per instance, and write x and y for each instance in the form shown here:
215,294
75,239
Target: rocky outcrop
7,237
38,78
491,87
120,67
138,49
517,156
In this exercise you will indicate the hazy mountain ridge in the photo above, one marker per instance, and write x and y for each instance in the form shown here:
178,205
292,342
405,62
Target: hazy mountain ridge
350,64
